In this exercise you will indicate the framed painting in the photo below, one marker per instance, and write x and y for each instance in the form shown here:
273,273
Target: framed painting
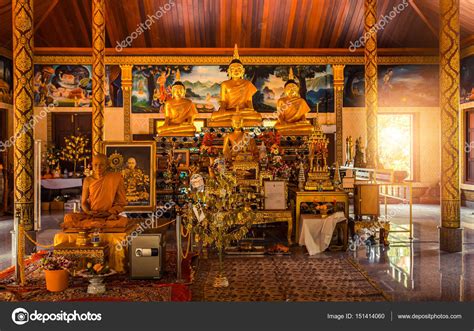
136,161
275,194
181,157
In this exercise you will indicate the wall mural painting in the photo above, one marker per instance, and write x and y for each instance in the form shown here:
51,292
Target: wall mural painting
467,79
354,86
71,85
152,86
6,80
399,86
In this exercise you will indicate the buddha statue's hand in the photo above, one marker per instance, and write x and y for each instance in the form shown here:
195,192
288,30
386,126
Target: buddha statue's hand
112,217
101,214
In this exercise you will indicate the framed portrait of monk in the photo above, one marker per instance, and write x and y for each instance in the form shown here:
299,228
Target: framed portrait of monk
137,163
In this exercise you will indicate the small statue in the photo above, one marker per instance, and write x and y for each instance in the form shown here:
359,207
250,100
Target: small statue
179,113
292,110
359,158
301,177
262,154
236,98
349,154
239,144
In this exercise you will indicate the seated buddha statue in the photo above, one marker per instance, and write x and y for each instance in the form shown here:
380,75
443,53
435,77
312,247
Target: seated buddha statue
179,113
292,110
236,98
239,145
103,199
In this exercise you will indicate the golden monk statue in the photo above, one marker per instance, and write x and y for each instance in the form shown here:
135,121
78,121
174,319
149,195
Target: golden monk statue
236,98
292,110
103,199
239,145
179,113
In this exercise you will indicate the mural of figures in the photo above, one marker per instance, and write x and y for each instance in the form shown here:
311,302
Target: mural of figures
6,80
467,79
152,86
399,86
71,86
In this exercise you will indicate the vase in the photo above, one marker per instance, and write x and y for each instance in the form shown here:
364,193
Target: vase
96,285
56,280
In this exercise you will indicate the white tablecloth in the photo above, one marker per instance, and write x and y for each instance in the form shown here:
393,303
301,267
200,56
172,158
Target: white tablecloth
316,232
61,183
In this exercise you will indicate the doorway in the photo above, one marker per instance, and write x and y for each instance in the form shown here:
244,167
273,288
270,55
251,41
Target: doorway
67,124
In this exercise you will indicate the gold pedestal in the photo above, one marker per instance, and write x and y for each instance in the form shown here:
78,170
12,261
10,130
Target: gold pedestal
224,118
319,179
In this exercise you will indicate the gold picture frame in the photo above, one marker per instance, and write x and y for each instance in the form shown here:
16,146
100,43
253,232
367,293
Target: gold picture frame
183,163
137,162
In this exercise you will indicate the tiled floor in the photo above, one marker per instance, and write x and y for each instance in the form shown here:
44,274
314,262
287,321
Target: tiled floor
408,270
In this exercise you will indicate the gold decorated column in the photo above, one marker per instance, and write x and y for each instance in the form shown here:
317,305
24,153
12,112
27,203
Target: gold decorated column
338,71
127,96
23,153
98,74
449,57
371,91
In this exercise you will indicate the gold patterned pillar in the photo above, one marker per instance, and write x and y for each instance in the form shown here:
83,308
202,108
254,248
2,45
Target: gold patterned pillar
371,91
98,74
23,151
449,57
127,96
338,71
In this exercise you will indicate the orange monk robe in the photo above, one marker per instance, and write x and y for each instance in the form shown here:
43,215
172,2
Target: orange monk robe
106,194
237,93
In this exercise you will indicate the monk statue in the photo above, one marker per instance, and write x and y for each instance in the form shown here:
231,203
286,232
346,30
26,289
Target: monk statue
239,145
236,98
179,113
292,110
103,199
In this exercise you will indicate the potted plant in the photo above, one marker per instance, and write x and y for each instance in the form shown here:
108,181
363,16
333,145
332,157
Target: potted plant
96,274
56,272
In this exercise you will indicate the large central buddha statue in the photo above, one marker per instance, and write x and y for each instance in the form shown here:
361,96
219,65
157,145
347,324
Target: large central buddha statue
292,110
179,112
236,98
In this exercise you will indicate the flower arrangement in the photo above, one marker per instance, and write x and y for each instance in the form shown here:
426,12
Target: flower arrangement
56,262
75,150
207,145
97,269
51,157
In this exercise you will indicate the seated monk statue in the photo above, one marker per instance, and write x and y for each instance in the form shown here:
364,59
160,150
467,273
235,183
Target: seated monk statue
103,199
179,113
238,145
292,110
236,98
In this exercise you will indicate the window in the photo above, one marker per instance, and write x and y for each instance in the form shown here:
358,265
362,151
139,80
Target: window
395,136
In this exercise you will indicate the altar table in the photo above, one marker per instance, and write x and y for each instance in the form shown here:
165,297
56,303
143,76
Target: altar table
300,196
316,232
114,240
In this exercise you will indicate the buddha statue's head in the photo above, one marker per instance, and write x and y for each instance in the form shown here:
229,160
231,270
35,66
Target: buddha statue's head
99,164
178,90
292,88
237,122
236,68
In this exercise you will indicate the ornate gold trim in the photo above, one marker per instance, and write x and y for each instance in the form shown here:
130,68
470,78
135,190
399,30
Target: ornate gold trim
127,99
224,60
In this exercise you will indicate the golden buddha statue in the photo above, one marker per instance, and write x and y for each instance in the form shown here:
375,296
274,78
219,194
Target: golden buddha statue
239,145
179,113
236,98
292,110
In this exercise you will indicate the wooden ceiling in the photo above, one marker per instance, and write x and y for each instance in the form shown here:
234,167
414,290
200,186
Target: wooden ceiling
308,24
